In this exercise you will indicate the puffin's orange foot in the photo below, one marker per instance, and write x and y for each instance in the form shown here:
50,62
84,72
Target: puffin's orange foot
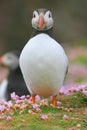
33,99
54,100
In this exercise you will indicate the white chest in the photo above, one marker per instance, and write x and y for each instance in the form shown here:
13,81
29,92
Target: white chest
43,64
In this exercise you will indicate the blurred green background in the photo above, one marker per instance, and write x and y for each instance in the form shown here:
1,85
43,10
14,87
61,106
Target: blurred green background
70,18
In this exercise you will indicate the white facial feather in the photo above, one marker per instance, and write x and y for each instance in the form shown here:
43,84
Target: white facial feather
48,18
10,60
35,17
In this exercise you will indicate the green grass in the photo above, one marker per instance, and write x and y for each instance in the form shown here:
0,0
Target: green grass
82,59
55,120
77,100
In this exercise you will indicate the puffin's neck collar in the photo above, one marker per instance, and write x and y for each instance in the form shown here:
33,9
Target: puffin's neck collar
49,32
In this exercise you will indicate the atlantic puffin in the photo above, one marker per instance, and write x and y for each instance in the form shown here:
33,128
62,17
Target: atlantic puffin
14,81
43,61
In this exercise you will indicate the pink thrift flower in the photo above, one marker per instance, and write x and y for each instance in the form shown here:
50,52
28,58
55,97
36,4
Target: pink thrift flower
8,118
38,98
2,108
58,103
38,109
61,91
22,97
35,106
81,87
85,88
44,117
65,117
17,101
66,92
14,96
30,111
3,100
10,104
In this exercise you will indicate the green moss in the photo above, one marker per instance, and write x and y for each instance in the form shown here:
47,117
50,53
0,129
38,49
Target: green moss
55,120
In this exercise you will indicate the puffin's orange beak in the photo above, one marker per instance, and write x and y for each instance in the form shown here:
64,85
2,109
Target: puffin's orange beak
41,21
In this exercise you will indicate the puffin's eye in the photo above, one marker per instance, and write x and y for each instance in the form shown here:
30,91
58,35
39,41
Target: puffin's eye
9,57
34,15
49,16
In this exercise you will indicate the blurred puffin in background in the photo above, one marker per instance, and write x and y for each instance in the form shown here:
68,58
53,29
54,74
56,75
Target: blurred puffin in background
14,81
43,61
